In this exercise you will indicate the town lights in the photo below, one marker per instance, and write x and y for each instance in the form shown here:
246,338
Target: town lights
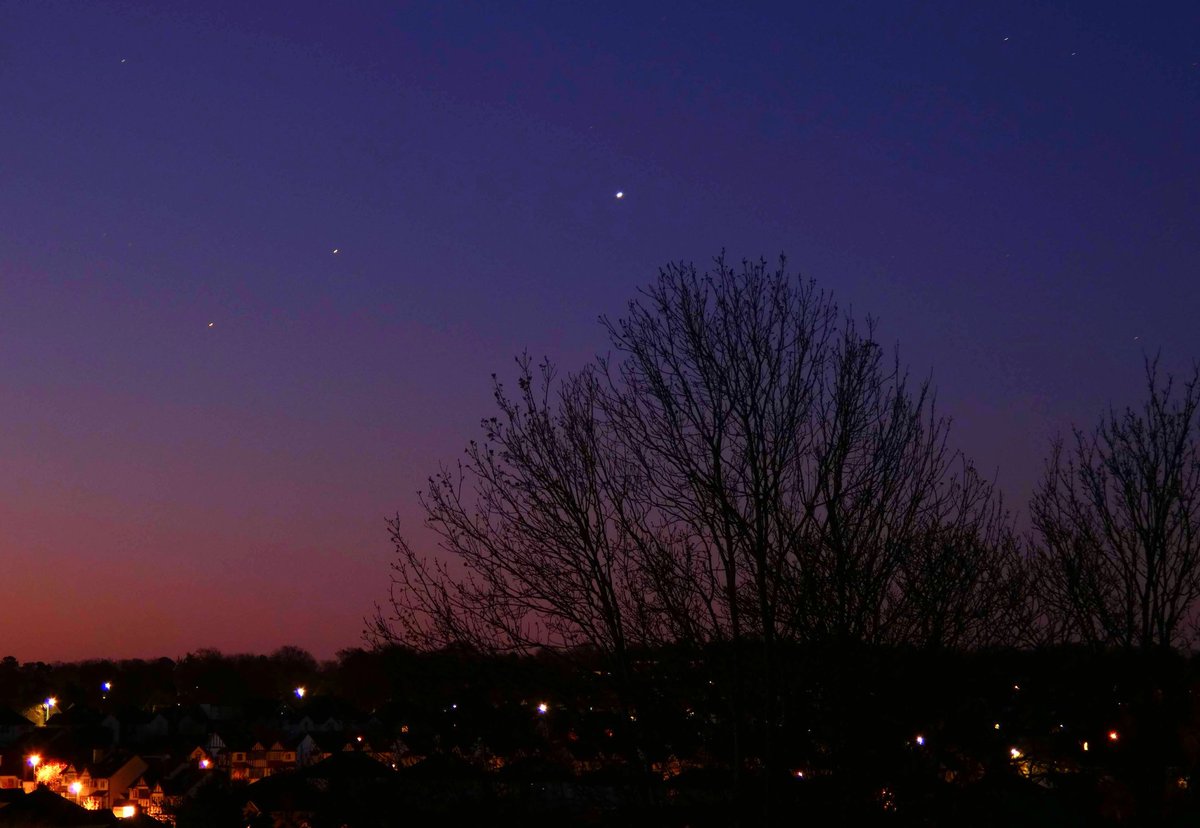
300,691
106,686
33,760
1014,753
542,708
75,788
1113,736
124,811
205,764
921,740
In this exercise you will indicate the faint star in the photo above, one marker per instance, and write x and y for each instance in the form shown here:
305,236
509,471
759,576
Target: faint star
336,251
211,324
1006,40
122,60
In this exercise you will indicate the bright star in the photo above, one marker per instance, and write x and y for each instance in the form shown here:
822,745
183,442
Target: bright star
620,194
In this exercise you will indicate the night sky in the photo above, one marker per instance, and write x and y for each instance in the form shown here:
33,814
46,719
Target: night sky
207,413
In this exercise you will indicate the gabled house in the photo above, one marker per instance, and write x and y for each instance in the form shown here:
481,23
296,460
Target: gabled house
113,777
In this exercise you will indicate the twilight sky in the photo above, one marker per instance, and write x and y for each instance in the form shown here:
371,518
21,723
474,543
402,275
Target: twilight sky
1014,192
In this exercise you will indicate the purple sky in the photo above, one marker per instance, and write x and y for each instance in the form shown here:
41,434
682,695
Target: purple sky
1014,193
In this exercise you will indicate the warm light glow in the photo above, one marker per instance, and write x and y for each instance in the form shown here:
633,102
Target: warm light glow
996,726
1085,747
920,740
124,811
33,760
205,764
799,774
51,702
108,684
1014,753
300,691
1113,736
48,772
543,708
75,788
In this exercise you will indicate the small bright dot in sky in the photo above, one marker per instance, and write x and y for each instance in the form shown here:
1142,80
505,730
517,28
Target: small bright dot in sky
336,251
1006,40
211,324
122,60
620,194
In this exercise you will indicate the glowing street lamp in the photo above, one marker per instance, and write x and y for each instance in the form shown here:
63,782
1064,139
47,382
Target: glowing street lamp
33,760
1113,735
300,692
542,709
106,687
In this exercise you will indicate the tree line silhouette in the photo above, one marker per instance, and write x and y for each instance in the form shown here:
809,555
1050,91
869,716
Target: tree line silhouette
750,476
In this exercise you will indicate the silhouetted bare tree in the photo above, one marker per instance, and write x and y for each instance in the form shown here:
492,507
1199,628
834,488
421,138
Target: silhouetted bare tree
748,468
1117,514
964,583
533,525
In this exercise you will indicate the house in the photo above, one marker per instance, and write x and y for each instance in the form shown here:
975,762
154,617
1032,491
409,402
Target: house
259,759
348,782
139,726
112,778
12,726
181,784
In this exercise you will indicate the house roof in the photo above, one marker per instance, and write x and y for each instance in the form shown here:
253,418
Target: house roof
349,765
10,718
45,808
112,764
